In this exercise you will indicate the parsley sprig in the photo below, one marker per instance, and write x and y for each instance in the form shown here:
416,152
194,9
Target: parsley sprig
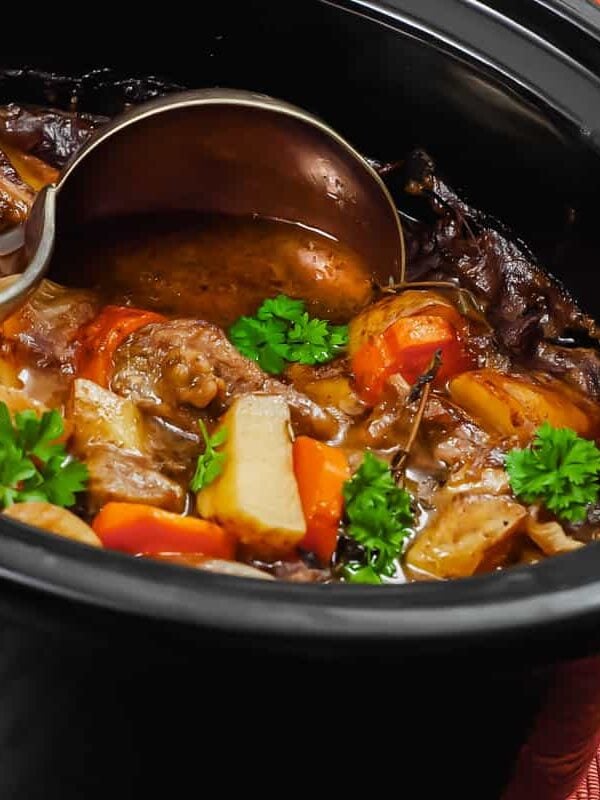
210,463
33,465
560,469
281,331
378,517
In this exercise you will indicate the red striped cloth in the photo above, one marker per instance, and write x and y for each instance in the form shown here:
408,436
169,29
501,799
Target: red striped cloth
563,738
589,789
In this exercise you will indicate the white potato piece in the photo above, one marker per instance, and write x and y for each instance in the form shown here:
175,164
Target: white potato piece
463,536
102,417
55,520
256,496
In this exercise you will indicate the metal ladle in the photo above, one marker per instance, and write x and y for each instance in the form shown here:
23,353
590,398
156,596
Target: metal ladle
217,151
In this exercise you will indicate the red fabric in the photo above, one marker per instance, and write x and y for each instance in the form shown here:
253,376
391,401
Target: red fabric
564,738
589,789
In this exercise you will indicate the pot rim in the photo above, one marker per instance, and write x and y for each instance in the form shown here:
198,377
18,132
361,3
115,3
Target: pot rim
553,593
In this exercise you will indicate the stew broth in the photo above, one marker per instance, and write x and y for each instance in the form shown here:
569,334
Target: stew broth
213,267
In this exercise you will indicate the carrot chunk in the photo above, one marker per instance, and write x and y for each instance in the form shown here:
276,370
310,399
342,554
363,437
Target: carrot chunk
320,472
145,530
407,347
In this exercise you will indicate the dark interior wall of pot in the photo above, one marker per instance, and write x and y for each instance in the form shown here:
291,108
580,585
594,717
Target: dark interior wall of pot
386,92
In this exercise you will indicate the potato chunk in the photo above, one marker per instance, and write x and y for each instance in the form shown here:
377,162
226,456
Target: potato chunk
461,537
55,520
376,318
102,417
328,385
516,405
256,496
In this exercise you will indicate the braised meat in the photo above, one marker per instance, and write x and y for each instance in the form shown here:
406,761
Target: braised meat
16,196
52,135
119,475
44,331
169,369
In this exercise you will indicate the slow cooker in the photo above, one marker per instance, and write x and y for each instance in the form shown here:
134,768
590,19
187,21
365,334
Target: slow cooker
120,676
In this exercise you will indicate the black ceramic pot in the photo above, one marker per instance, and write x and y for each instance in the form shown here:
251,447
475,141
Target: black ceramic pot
116,673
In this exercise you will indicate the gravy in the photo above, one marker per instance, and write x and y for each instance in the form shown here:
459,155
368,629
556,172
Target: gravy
213,267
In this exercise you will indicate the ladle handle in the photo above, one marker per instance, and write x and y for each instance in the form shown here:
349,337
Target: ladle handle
37,252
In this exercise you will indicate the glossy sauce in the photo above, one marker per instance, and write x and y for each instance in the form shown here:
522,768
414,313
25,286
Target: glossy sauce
215,268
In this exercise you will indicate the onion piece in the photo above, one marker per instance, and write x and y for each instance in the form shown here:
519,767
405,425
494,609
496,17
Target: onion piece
549,536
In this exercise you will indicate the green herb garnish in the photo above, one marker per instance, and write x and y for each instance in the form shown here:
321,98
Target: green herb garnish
360,573
33,466
210,463
560,469
281,331
378,517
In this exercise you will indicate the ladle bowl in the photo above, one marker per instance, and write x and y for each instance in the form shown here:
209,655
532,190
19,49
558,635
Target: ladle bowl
217,151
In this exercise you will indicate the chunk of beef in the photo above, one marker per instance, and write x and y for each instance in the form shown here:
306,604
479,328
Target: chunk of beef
50,134
299,572
524,303
110,436
117,474
389,421
171,369
580,366
44,330
174,451
16,196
